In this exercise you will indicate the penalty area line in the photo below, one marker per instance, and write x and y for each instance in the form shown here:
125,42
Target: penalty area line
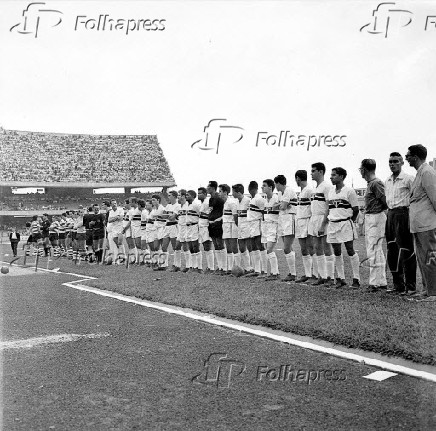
263,332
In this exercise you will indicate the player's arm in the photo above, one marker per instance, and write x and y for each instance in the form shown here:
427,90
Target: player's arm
352,198
235,218
355,213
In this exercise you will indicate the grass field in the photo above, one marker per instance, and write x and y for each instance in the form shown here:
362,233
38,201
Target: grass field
377,322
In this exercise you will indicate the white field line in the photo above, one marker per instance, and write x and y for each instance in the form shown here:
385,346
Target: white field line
238,326
51,339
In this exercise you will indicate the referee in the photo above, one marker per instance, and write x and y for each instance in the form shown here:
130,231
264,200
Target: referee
401,257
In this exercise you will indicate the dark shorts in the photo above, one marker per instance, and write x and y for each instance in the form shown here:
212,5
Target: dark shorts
62,235
81,236
53,237
45,235
98,234
35,237
88,236
216,230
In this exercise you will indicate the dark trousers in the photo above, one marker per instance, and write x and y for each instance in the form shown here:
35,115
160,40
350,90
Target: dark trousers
401,256
14,245
425,246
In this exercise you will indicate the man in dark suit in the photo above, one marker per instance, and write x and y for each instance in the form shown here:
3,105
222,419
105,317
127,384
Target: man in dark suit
14,237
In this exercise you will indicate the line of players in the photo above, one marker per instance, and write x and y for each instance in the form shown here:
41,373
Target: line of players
233,230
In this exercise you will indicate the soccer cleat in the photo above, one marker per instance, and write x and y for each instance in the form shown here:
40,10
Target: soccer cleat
371,289
356,283
272,277
247,273
340,282
289,277
263,275
185,270
319,281
208,271
175,269
302,279
329,282
217,272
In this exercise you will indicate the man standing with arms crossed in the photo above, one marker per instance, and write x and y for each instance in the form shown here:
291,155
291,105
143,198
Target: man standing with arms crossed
423,219
401,257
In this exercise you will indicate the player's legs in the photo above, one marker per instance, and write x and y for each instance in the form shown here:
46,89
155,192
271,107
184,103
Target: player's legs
288,241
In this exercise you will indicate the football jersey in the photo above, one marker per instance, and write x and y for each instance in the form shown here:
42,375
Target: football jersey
193,214
62,226
304,203
150,226
54,227
135,218
79,226
171,209
255,210
204,213
289,196
35,228
341,204
243,205
144,215
69,224
118,224
230,209
269,214
126,217
157,213
183,213
319,204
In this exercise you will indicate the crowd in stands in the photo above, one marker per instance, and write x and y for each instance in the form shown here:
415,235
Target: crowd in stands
48,157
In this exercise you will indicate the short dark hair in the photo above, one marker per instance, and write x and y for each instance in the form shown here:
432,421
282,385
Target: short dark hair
238,188
107,203
202,190
182,192
319,166
419,151
34,218
340,171
89,209
302,174
225,188
369,164
127,201
157,197
253,185
395,154
141,203
270,183
213,184
280,179
173,193
192,193
133,200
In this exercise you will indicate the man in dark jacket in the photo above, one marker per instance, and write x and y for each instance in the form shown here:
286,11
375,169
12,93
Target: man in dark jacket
14,237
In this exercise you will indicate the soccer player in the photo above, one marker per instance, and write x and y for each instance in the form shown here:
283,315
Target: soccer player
318,226
130,207
375,224
45,231
114,229
79,246
302,224
182,235
97,226
159,222
192,218
134,225
151,230
171,228
287,205
269,227
254,216
62,233
88,232
53,232
241,221
35,231
216,225
230,229
343,210
203,231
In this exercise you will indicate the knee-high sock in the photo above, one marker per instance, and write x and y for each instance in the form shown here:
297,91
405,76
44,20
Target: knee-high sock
166,256
330,265
273,263
194,260
264,261
224,259
290,259
178,258
322,271
355,264
230,260
256,260
307,266
209,259
315,265
188,263
200,260
237,257
339,261
218,259
246,260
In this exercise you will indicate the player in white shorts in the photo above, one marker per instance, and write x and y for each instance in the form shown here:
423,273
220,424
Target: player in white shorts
171,228
203,231
192,232
151,229
258,252
324,261
244,242
343,211
287,208
126,231
134,227
159,222
182,234
230,229
145,250
302,224
269,227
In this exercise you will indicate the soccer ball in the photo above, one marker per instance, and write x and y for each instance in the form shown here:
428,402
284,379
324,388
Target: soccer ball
237,271
4,270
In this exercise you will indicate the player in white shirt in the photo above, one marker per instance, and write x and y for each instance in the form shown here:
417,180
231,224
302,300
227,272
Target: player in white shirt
287,206
318,224
132,230
192,233
182,235
114,229
157,213
203,231
269,227
343,211
148,232
171,227
230,229
244,243
302,224
258,252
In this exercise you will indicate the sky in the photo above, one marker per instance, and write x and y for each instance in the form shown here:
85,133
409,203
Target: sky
240,73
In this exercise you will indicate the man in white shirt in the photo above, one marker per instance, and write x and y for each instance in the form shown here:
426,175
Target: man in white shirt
115,228
400,251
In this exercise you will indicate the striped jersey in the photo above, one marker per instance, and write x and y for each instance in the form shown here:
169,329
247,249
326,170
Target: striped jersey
304,203
243,206
193,212
255,210
144,215
54,227
171,209
157,214
290,197
319,204
150,226
341,204
183,213
271,215
230,209
35,228
204,213
62,226
135,218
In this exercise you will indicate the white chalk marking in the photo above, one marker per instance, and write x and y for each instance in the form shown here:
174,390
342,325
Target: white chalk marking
215,320
379,376
40,341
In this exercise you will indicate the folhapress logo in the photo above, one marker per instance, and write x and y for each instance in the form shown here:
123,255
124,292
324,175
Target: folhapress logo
35,17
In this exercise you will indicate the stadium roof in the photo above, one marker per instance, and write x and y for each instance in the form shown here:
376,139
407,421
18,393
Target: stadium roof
84,185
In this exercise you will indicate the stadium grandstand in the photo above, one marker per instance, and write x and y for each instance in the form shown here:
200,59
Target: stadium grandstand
53,172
